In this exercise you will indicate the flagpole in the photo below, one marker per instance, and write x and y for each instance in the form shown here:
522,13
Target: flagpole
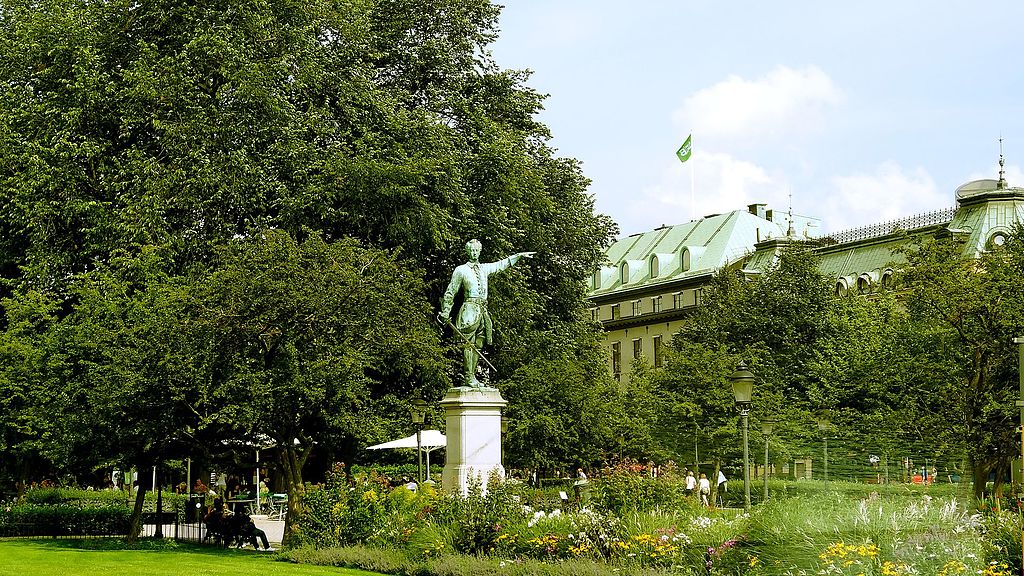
693,203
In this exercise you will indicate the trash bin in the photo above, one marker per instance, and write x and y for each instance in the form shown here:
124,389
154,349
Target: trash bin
194,508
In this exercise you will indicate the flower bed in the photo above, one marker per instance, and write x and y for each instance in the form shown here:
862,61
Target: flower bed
645,525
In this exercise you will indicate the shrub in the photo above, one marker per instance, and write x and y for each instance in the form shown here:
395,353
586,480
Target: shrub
64,520
1002,540
628,488
476,519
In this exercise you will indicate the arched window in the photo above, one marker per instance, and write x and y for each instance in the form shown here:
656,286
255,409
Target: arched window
685,259
624,273
655,268
863,284
888,280
842,288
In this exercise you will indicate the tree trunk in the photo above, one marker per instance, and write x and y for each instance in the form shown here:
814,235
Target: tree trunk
980,469
293,459
135,520
713,479
997,484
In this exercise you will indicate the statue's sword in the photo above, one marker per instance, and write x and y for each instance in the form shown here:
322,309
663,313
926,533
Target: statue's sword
470,342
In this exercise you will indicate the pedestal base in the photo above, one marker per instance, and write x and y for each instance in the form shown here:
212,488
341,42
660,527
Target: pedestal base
473,428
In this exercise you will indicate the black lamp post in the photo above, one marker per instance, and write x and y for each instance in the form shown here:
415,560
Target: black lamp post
824,425
418,413
743,388
767,426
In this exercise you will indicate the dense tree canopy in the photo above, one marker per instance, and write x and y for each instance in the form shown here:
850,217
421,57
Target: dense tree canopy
872,367
158,156
970,307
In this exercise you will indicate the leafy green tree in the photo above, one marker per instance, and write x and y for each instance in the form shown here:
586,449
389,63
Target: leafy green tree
812,354
970,308
179,128
310,343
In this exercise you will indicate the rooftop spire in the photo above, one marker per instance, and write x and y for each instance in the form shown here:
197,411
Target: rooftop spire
791,232
1001,184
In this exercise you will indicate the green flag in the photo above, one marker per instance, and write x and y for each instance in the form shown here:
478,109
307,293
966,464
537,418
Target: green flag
684,151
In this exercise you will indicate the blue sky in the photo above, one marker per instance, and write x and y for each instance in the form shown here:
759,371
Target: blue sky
865,111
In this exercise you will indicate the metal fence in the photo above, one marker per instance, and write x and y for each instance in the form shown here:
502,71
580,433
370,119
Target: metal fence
180,520
936,217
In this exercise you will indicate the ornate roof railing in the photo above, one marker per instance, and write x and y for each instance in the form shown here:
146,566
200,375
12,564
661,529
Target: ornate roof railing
942,216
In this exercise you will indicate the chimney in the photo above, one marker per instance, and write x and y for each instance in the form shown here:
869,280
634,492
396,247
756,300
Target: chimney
757,210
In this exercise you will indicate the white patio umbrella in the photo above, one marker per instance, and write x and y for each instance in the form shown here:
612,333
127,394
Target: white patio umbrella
430,440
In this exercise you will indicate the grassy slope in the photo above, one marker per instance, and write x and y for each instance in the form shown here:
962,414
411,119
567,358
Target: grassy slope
70,558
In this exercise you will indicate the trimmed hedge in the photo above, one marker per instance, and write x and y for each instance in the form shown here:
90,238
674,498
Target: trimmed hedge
60,512
64,520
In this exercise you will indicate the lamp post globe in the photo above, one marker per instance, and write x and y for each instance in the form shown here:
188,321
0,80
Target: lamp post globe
743,389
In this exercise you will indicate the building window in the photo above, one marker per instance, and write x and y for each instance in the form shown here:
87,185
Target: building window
685,259
863,284
677,300
616,359
656,304
595,314
624,273
655,268
887,279
615,311
659,360
637,308
638,348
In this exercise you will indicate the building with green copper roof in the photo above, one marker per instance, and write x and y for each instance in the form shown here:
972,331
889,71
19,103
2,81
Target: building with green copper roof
651,280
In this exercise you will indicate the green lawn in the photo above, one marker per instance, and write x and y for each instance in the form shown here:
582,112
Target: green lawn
89,557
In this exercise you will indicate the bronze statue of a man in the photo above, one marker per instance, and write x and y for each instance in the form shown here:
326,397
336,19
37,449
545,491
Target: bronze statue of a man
473,320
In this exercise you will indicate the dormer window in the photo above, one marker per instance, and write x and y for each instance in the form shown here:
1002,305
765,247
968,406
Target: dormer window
624,273
685,259
887,279
655,269
842,289
863,284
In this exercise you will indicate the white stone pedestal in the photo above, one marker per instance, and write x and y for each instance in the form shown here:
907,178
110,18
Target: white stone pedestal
473,428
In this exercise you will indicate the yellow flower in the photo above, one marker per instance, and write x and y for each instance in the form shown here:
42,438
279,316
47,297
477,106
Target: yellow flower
754,561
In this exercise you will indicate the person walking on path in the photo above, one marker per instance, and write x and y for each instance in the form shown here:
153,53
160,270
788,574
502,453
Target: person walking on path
705,489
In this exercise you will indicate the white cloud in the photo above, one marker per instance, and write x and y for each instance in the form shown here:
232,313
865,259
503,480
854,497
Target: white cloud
891,192
722,183
1014,176
782,104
